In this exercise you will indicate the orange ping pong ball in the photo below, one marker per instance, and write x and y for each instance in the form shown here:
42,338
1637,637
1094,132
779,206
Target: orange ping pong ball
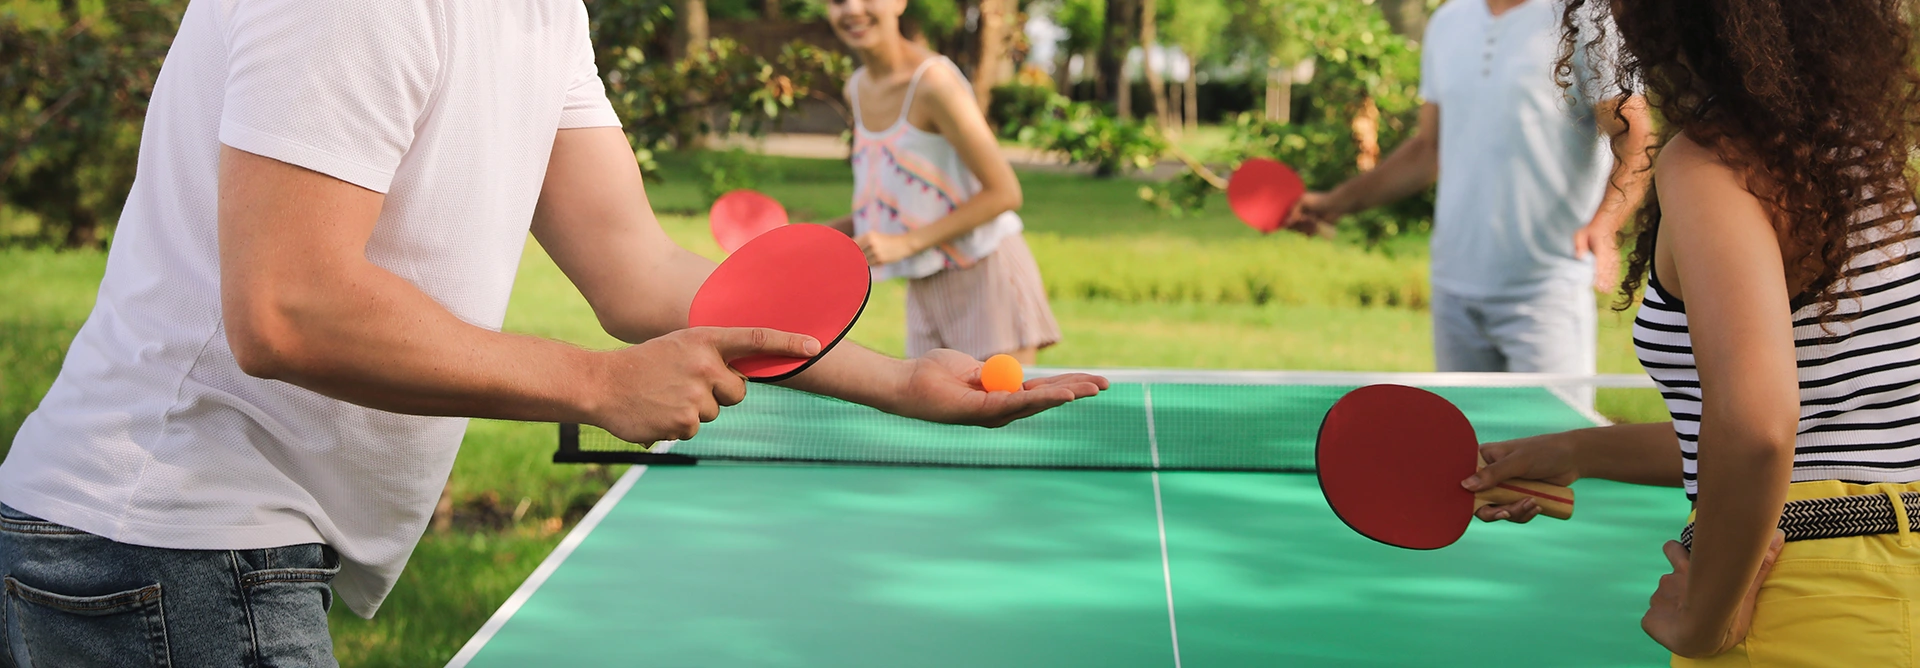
1001,373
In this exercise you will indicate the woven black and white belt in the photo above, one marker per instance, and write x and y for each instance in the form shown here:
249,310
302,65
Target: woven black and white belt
1839,517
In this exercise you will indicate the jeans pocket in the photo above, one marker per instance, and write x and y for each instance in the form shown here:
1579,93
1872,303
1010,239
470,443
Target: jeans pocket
289,608
49,629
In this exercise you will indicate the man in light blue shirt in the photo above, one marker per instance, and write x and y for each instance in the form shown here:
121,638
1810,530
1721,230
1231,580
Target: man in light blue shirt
1530,197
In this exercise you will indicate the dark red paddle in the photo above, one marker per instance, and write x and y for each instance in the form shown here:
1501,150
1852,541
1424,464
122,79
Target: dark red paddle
804,279
1391,459
739,216
1263,192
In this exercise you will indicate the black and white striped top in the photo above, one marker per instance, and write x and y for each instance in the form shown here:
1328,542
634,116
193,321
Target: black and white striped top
1859,380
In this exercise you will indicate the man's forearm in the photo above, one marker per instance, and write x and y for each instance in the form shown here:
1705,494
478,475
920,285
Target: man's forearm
1410,168
383,344
1626,186
1632,144
857,374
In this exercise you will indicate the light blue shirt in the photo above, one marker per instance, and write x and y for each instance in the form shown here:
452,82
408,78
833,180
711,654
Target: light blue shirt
1523,165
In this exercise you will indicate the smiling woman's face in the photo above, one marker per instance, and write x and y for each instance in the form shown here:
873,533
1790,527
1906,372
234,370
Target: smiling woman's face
865,24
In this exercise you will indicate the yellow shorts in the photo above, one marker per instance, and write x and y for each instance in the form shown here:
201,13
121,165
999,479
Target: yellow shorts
1836,601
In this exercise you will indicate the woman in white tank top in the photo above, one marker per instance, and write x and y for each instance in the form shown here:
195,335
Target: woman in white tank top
934,199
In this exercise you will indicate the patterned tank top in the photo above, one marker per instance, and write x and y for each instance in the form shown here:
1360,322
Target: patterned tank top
905,178
1859,379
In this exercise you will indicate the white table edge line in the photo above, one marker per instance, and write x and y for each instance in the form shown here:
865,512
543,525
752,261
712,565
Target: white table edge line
1585,411
547,567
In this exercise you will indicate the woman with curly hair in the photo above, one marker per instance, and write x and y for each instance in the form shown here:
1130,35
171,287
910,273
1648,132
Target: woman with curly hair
1781,322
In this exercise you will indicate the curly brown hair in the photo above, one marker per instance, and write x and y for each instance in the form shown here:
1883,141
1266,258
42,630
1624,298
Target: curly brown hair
1817,102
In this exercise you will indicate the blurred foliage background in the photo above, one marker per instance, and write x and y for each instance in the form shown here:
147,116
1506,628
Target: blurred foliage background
1118,85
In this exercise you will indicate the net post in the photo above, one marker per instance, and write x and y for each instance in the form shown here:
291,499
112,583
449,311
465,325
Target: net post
570,453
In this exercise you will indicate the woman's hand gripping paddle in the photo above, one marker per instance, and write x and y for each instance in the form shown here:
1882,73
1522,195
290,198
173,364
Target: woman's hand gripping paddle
742,215
804,279
1391,459
1263,193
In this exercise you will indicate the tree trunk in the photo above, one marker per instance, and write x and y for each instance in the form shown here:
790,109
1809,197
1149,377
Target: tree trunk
442,520
1407,18
1174,123
690,26
1062,74
1125,99
1366,134
995,19
1111,58
1148,41
771,10
1192,96
1280,95
1019,48
83,229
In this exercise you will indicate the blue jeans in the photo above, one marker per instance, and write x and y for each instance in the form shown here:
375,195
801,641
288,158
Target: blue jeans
75,599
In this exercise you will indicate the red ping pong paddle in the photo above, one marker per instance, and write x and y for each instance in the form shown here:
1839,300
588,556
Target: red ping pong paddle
1263,192
1391,459
740,216
804,279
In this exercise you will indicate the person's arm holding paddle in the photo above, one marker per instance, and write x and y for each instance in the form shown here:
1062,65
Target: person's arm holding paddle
1718,251
302,303
954,113
1412,166
594,220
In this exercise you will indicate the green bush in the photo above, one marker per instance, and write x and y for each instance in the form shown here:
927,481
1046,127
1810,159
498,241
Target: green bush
75,79
668,100
1324,154
1087,135
1280,269
1360,64
722,172
1017,106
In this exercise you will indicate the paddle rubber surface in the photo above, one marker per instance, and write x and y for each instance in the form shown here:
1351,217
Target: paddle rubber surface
1391,459
1263,193
804,279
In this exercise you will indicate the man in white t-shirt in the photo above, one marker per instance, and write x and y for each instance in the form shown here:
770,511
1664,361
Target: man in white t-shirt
1530,197
302,306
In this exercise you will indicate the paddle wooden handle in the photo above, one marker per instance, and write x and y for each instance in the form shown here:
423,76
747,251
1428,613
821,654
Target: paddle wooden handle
1554,501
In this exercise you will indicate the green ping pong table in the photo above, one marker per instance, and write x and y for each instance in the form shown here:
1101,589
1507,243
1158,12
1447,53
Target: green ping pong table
1171,521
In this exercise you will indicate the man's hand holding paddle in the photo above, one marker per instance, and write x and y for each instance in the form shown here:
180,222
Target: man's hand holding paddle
663,389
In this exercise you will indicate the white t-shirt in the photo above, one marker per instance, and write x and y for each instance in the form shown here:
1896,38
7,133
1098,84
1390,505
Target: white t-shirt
1523,165
152,435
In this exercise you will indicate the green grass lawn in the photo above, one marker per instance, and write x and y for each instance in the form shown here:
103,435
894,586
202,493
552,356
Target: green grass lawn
1131,289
